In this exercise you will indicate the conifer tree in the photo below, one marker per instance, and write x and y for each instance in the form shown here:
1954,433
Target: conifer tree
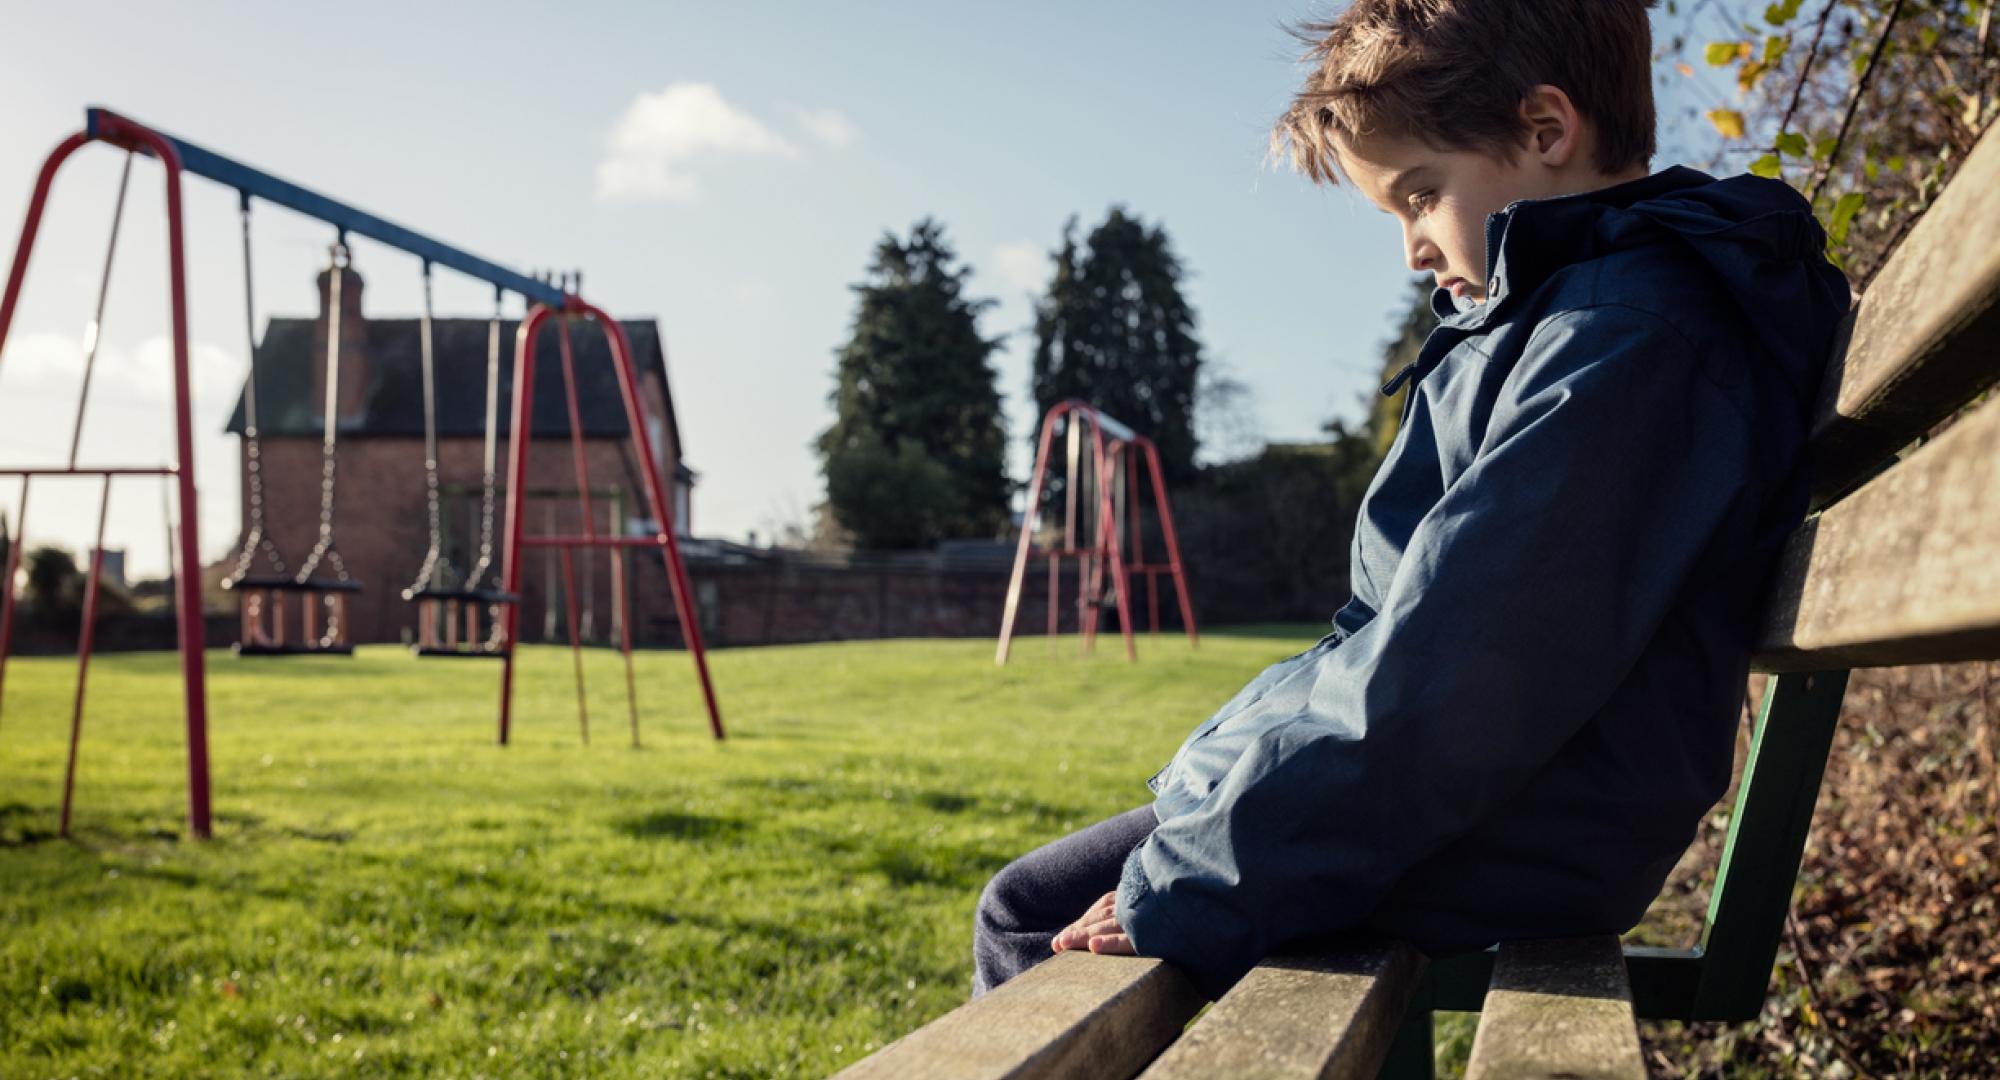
916,452
1115,331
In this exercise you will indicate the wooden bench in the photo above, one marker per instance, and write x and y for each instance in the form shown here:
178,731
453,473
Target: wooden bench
1900,565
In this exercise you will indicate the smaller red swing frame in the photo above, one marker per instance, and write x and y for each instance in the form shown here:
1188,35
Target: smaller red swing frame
1111,441
518,543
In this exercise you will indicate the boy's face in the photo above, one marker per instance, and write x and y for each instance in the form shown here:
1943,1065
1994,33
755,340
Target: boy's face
1442,199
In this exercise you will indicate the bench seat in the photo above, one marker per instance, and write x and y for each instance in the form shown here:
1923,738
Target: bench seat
1554,1009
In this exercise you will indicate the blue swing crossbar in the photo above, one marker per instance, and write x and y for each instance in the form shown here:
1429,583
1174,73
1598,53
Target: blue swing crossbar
102,123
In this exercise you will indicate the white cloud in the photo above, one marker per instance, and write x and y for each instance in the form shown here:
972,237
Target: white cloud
130,422
655,142
43,362
131,398
1023,265
829,126
214,373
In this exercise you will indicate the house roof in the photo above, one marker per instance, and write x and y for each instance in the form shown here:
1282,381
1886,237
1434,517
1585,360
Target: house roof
394,405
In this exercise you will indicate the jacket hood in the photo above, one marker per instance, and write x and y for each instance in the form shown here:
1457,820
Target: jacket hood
1757,237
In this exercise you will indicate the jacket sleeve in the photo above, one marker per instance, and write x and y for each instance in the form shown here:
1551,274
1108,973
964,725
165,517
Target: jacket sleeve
1525,596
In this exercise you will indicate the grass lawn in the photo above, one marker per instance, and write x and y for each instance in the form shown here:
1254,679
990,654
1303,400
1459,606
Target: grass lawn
388,892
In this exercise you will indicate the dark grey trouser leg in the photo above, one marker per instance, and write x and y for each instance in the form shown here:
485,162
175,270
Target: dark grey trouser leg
1045,890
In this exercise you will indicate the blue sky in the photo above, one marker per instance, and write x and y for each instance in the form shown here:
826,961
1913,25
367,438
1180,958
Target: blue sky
725,168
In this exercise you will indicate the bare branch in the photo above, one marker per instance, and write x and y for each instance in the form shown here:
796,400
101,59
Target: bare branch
1805,71
1979,66
1854,100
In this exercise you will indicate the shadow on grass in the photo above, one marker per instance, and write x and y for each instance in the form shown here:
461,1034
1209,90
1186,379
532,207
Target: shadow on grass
676,825
815,791
1302,633
22,825
166,875
964,871
945,802
322,836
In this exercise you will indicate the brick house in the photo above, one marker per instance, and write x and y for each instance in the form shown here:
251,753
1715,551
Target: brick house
381,523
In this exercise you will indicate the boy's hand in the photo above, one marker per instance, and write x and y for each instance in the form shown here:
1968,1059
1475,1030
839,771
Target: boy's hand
1097,930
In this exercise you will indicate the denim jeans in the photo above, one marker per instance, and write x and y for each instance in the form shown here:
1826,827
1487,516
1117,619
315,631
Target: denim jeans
1034,897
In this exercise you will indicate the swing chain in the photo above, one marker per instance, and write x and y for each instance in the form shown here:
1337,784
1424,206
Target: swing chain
324,550
254,537
436,566
488,477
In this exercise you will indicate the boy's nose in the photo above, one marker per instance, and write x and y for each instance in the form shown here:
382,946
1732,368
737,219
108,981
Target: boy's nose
1420,253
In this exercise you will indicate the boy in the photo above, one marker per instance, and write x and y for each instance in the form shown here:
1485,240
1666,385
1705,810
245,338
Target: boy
1531,698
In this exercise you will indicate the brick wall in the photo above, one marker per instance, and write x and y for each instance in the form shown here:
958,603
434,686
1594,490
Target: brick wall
130,632
791,600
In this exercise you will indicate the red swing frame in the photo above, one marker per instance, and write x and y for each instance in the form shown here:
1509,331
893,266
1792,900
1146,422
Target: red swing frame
136,138
518,543
1110,441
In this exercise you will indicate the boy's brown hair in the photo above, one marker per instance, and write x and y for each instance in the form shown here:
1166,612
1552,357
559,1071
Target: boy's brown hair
1452,74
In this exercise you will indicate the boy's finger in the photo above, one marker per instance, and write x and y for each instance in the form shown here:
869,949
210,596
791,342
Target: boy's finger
1098,928
1113,945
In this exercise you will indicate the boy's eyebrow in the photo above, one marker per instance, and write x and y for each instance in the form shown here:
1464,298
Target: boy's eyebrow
1402,181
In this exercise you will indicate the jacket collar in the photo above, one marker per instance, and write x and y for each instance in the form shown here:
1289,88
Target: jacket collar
1530,240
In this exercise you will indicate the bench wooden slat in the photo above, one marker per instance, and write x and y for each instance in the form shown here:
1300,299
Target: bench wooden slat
1327,1015
1075,1015
1558,1008
1923,334
1904,571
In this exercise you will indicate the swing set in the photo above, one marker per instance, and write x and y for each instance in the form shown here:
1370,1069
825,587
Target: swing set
1101,501
448,612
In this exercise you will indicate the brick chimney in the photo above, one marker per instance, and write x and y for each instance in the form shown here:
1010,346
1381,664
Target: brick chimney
352,393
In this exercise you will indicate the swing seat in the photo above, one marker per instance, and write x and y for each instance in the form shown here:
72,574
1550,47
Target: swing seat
426,651
460,609
291,584
264,633
477,596
252,649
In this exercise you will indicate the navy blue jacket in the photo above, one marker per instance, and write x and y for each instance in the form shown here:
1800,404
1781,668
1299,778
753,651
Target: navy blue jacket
1532,697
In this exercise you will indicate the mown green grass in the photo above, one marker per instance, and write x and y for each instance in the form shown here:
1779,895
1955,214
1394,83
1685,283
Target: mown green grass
390,893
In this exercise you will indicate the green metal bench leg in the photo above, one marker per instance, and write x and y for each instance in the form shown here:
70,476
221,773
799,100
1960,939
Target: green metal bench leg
1412,1056
1767,836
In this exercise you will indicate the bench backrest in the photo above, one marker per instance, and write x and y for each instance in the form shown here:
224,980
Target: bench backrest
1901,565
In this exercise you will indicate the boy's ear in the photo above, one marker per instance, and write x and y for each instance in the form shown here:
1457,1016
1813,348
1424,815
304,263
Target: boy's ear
1554,127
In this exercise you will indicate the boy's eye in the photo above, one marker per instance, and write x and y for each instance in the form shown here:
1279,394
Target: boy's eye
1422,200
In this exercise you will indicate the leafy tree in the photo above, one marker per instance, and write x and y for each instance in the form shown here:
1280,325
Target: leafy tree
917,449
1226,424
893,494
1115,331
54,588
1268,537
1867,106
